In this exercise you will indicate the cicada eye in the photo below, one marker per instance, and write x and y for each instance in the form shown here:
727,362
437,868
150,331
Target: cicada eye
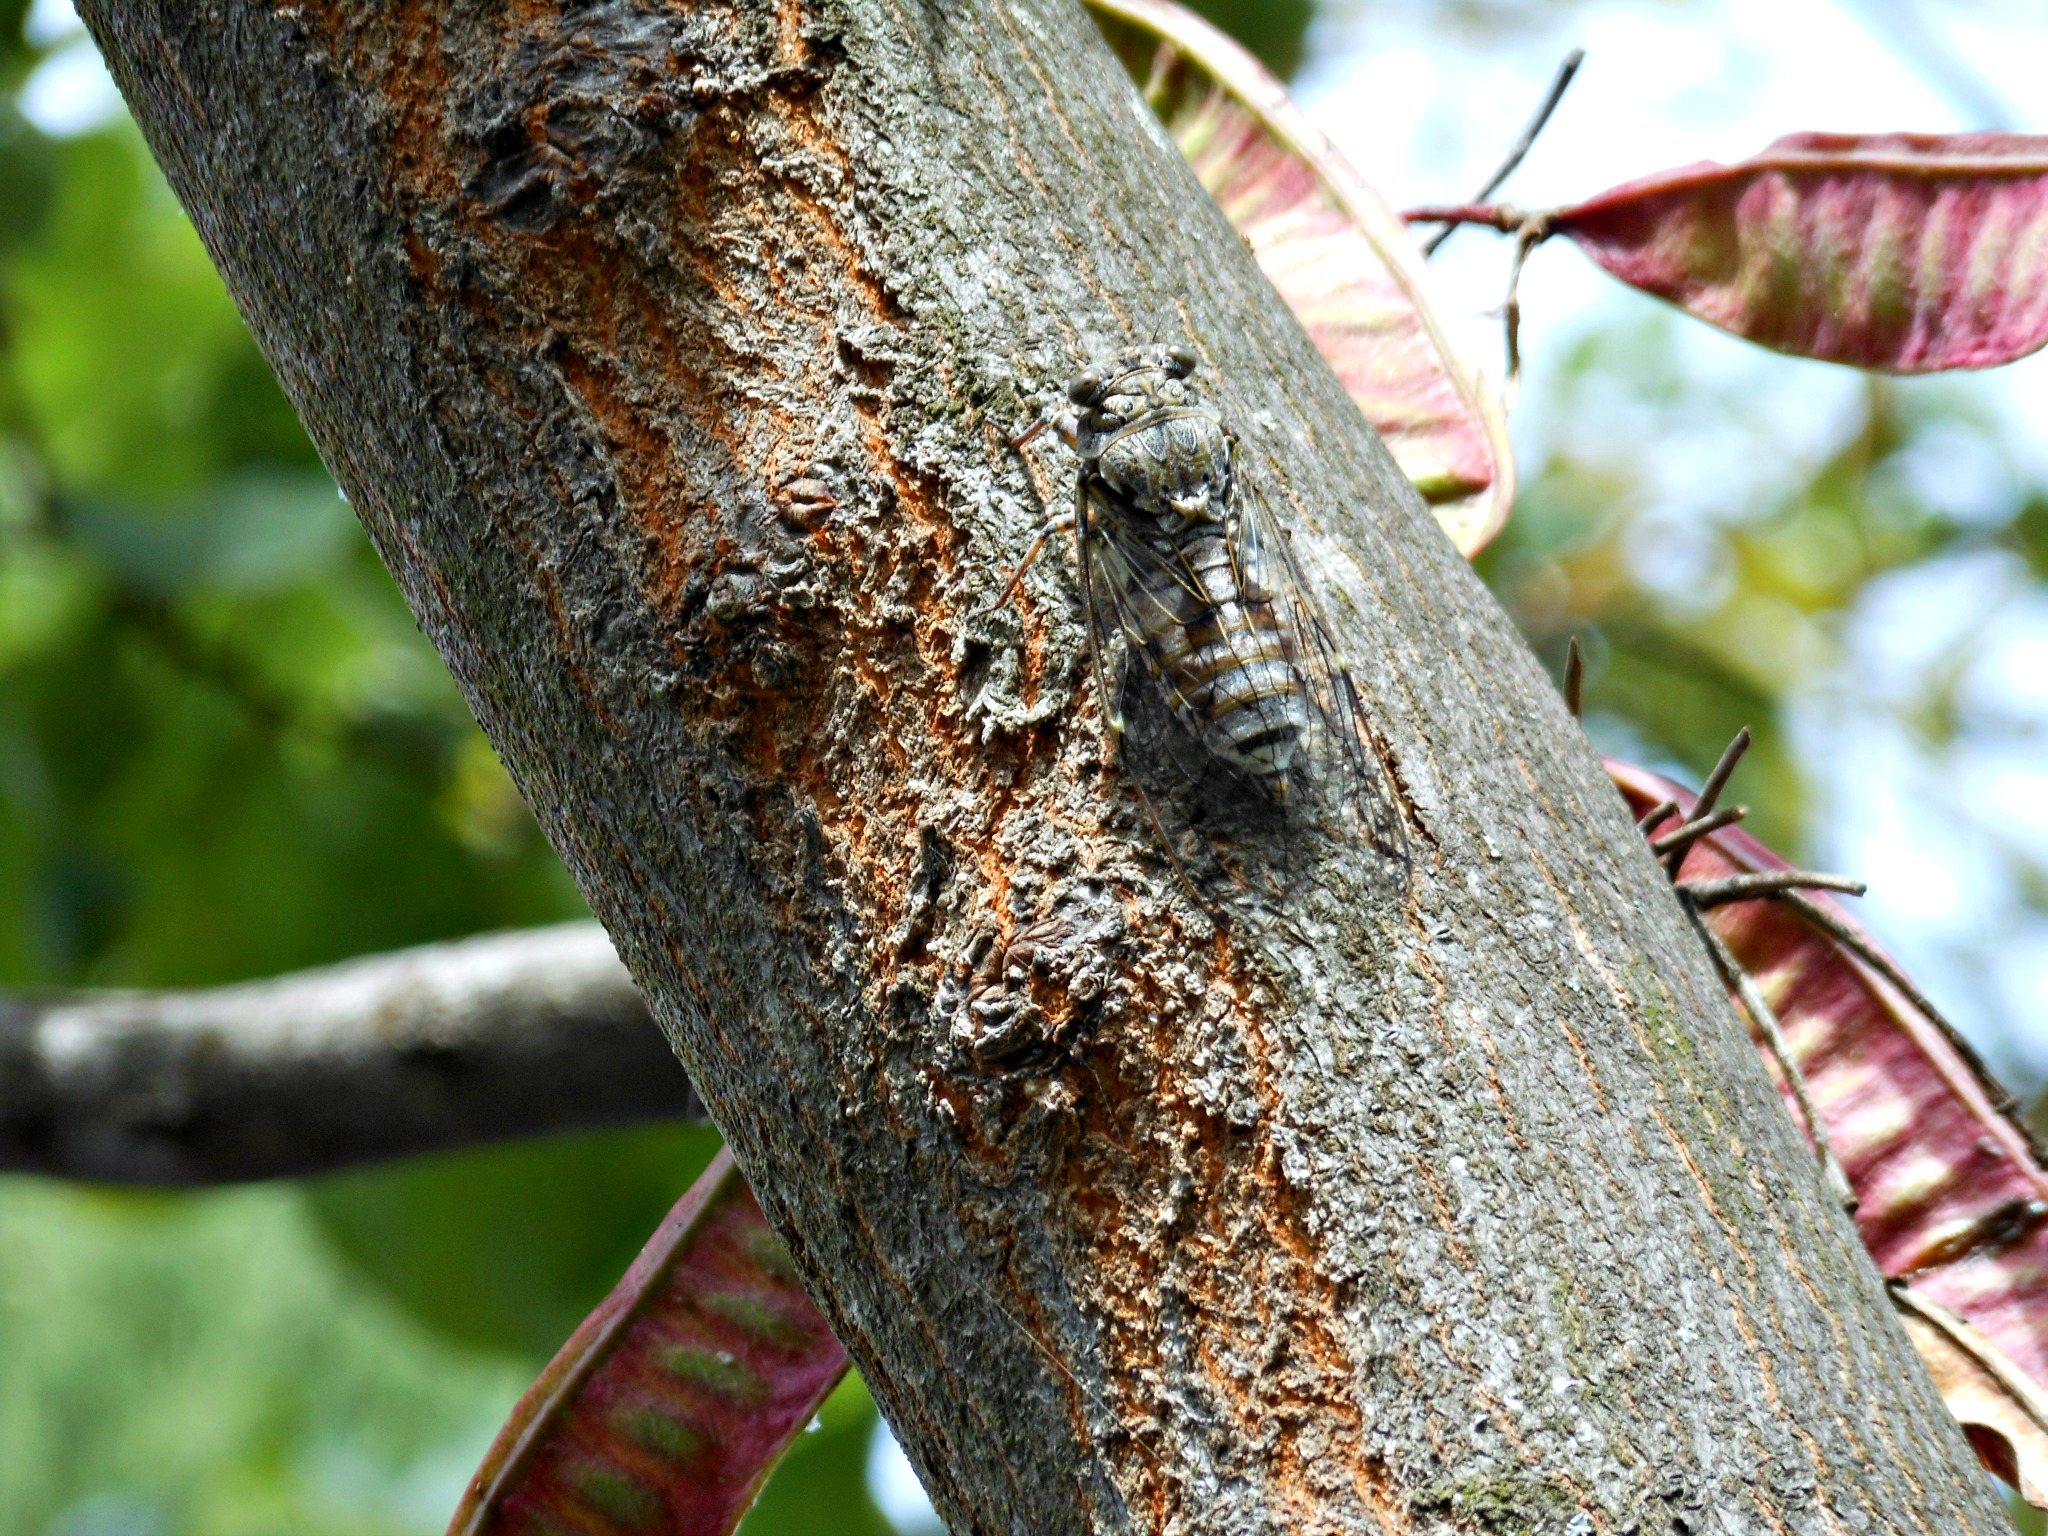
1182,359
1082,388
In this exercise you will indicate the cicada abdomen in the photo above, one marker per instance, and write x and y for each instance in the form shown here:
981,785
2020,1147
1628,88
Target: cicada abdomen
1185,566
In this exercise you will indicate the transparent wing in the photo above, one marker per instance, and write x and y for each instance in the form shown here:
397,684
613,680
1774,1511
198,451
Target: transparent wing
1121,584
1118,604
1341,737
1102,604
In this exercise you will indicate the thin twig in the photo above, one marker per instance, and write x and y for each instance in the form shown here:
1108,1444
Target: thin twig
1574,676
1534,232
1710,792
1656,815
1770,882
1503,218
1743,985
1672,846
1522,145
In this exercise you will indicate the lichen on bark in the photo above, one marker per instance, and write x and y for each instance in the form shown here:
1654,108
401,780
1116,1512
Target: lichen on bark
672,356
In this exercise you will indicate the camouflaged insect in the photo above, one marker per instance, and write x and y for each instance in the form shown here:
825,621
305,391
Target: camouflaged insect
1188,569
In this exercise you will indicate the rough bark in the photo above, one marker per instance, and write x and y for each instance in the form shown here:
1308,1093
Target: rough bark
513,1034
671,354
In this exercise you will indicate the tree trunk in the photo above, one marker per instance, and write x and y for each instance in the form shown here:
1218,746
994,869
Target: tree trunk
672,355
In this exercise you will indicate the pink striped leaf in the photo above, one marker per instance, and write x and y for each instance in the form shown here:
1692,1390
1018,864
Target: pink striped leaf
1910,253
671,1401
1337,254
1952,1194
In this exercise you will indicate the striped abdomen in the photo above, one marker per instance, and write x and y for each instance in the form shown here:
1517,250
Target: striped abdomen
1223,655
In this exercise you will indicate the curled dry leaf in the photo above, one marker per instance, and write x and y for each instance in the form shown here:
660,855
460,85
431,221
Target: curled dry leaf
1337,254
2001,1411
1952,1195
671,1401
1910,253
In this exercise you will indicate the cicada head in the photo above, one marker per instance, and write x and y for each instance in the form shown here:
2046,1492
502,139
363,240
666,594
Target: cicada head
1141,423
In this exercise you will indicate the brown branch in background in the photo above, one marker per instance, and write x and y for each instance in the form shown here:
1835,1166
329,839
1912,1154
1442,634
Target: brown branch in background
1672,846
1769,882
515,1034
1522,145
1574,677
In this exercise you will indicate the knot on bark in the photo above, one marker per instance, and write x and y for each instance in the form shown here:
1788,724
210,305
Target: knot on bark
1032,997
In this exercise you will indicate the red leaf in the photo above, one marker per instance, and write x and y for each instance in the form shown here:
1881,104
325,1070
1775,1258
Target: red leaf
1952,1194
1910,253
1336,253
671,1401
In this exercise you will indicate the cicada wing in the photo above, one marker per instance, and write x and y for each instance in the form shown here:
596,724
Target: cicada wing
1102,603
1125,578
1123,612
1342,742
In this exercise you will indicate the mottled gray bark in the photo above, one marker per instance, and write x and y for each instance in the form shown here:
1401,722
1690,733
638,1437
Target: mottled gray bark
671,356
513,1034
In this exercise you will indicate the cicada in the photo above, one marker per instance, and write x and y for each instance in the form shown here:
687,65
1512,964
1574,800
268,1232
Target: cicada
1185,570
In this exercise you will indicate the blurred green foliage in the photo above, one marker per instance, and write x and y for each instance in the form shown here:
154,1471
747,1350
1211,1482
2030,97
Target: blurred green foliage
223,749
507,1248
1722,603
202,1364
199,1364
1275,30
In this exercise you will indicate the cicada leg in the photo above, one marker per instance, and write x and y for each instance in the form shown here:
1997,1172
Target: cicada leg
1062,523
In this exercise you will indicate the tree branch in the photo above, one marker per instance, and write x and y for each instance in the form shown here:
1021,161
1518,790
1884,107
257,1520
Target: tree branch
515,1034
1430,1195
